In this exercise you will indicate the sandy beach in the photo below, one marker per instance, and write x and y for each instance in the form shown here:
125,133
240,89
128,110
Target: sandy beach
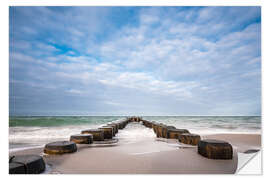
145,154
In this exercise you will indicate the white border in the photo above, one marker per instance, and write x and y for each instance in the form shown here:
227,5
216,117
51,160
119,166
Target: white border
265,72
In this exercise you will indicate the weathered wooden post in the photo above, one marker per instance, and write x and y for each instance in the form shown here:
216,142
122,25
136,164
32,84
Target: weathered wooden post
215,149
60,147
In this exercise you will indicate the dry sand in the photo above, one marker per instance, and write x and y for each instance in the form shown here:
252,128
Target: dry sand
147,155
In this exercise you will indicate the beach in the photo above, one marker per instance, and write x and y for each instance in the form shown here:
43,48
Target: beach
138,151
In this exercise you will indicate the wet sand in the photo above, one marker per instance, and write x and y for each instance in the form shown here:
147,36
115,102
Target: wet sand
146,155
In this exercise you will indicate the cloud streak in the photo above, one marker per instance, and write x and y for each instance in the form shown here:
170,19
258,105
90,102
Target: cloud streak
135,60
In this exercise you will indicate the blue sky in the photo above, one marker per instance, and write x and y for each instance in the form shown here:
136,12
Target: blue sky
135,61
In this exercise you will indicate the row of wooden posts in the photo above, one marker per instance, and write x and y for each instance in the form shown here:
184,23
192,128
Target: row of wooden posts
169,132
210,148
102,134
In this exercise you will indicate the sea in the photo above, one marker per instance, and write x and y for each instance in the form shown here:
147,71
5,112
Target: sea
35,131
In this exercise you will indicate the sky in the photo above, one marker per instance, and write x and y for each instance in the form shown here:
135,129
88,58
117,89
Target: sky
135,60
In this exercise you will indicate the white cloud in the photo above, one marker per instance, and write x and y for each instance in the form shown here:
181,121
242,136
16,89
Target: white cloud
148,19
46,48
162,60
74,91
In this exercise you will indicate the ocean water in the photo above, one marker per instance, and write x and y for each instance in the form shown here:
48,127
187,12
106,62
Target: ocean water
28,131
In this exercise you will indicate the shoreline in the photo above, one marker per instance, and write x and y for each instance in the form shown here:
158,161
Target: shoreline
34,146
202,133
